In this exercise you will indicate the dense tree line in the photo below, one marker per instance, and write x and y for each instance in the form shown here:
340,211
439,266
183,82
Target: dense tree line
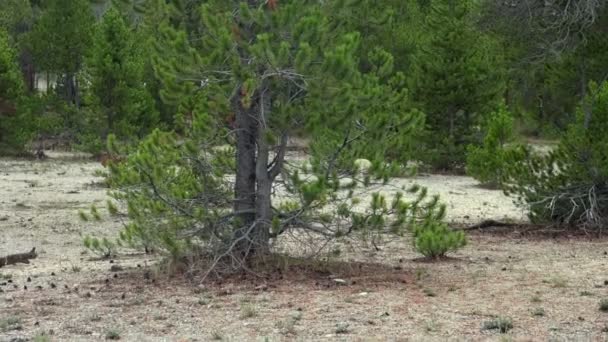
444,83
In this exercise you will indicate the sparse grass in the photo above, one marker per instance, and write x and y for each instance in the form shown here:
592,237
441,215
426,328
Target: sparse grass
342,328
95,318
10,323
502,324
421,273
429,292
585,293
557,282
41,338
538,312
604,305
248,311
112,334
288,325
217,336
75,269
6,276
431,326
536,299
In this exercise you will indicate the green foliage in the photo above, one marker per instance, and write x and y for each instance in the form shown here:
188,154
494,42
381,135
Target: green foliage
118,89
11,82
502,324
434,239
60,40
568,185
487,163
603,306
286,71
62,36
462,80
102,247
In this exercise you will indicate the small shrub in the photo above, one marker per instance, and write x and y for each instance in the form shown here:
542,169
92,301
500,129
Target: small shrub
112,335
434,240
604,305
248,311
217,336
41,338
102,247
538,312
488,162
342,328
536,299
502,324
10,323
429,293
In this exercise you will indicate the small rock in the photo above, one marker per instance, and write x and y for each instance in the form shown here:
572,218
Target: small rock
340,281
363,294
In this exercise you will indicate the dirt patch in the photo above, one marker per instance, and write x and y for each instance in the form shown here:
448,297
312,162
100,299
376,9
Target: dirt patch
550,288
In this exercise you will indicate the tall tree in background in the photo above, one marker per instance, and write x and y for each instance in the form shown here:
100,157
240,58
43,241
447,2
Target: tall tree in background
17,17
11,83
462,80
61,39
117,79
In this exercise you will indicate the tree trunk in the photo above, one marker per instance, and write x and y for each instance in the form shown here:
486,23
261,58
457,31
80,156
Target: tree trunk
28,69
261,234
244,185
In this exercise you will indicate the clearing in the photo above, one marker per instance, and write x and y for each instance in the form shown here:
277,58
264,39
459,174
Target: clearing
549,287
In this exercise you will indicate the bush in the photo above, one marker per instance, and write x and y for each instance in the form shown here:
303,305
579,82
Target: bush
604,305
488,162
502,324
435,239
569,186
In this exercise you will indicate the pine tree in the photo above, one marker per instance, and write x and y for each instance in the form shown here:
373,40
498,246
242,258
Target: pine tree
461,81
568,185
117,80
12,91
60,40
280,69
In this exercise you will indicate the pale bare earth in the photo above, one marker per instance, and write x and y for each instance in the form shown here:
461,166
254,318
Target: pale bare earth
72,296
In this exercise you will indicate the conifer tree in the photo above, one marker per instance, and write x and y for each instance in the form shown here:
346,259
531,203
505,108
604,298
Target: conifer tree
117,79
60,40
461,81
11,83
280,69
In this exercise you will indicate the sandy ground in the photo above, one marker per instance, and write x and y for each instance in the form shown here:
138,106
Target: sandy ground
550,288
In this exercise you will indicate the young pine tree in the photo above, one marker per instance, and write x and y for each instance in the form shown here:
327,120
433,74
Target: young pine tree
280,69
489,162
118,89
461,81
568,186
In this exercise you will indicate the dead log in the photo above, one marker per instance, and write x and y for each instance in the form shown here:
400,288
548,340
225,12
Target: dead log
19,258
490,224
